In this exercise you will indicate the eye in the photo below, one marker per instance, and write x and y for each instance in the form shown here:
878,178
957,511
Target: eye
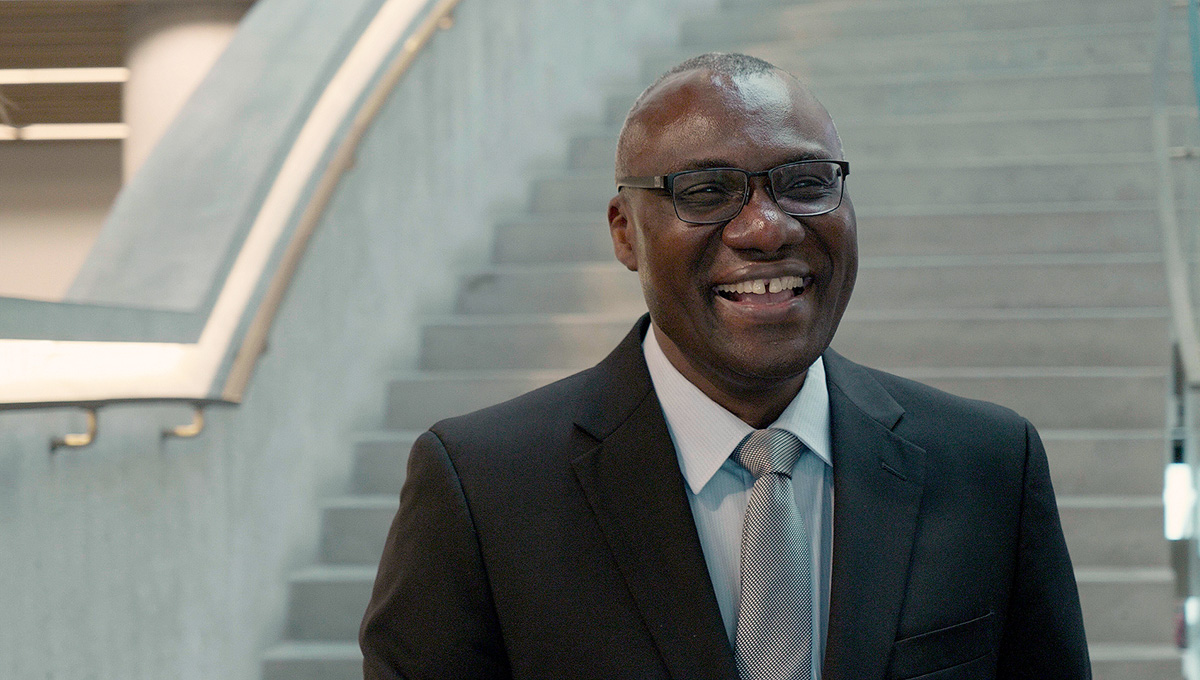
806,181
707,188
706,191
807,186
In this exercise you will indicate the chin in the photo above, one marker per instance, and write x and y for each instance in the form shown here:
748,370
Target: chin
774,370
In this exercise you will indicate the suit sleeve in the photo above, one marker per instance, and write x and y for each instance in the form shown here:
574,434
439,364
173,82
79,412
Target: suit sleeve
431,614
1043,634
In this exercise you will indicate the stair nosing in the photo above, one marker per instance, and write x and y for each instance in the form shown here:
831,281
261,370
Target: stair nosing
303,650
1100,575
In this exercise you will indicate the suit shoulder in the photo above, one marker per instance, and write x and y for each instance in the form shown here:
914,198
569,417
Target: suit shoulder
928,414
546,403
918,397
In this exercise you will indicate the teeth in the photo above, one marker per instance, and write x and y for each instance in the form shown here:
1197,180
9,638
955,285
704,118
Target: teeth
763,286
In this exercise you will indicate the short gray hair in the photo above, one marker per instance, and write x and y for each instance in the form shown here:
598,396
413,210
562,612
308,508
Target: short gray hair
730,64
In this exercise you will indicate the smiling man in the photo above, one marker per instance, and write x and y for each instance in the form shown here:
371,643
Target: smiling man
723,496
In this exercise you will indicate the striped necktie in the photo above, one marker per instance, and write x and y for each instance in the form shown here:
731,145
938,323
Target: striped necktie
774,637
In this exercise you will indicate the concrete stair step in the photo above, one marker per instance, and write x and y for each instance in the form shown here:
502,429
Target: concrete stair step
1118,86
883,284
814,21
1066,398
313,661
1092,177
952,138
1127,605
1026,48
1114,531
417,401
1124,337
327,602
380,460
1143,662
353,528
1120,338
1081,228
1087,462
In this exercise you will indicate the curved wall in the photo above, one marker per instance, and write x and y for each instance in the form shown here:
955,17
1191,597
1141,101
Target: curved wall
137,558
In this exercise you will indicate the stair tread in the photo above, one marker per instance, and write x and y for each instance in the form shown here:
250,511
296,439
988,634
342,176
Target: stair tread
1104,501
1116,651
361,501
1107,574
290,650
335,573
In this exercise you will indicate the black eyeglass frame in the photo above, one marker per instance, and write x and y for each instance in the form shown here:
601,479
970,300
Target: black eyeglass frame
667,183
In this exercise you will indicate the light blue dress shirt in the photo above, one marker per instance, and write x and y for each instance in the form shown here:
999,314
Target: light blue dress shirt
705,434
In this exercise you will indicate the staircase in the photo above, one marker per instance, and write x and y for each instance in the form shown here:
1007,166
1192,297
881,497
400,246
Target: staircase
1004,187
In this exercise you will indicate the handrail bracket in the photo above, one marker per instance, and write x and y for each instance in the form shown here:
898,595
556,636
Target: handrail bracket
192,429
78,441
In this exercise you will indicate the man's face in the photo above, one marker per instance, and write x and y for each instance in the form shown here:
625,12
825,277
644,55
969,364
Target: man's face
737,342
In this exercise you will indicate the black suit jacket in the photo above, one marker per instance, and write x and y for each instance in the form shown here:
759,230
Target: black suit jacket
551,537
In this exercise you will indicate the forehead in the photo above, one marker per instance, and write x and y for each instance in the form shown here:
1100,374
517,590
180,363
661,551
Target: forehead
700,117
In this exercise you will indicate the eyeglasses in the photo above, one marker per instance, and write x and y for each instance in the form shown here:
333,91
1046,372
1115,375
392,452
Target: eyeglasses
712,195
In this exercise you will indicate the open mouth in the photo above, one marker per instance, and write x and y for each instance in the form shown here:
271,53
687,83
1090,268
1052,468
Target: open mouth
764,291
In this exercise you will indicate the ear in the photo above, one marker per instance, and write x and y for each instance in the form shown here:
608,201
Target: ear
622,232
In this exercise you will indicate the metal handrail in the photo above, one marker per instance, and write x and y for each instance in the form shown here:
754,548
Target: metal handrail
1177,279
218,366
440,18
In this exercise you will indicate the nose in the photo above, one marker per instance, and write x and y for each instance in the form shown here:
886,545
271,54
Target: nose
762,225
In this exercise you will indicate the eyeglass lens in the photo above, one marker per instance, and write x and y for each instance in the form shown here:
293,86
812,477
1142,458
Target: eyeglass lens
710,196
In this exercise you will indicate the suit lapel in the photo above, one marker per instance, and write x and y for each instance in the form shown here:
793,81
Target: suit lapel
633,484
878,480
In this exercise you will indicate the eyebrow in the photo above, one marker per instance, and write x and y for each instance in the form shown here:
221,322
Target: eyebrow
706,163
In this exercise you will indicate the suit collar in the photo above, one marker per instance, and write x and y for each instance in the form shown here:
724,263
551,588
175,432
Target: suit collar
704,432
618,384
633,485
862,390
878,482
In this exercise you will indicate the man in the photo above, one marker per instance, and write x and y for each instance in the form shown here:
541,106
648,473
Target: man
723,496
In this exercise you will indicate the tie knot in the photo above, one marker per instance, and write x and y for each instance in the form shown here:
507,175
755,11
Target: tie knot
769,451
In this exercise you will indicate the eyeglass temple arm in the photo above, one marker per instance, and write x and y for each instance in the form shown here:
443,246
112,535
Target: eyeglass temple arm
659,182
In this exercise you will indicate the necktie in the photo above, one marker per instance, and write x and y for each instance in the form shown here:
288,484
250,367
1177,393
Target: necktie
773,639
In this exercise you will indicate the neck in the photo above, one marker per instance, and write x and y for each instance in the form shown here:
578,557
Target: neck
758,402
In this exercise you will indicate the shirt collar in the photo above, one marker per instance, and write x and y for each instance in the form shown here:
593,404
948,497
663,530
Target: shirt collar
705,433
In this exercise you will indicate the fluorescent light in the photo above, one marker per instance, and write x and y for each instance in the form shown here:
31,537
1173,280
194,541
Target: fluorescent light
64,131
47,371
1179,501
42,76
